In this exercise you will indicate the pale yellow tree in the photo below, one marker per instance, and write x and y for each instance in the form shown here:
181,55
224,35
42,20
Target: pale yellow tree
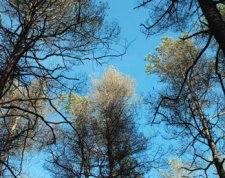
108,142
191,105
20,126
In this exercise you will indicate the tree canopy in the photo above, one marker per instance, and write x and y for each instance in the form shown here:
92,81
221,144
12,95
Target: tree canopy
108,144
61,103
197,116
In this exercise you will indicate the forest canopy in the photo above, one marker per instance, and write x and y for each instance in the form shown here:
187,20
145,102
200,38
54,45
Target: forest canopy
112,89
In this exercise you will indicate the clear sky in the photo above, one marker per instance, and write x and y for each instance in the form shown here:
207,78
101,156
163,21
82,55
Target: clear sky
132,63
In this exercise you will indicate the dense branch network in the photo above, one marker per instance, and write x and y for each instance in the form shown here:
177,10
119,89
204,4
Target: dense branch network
41,43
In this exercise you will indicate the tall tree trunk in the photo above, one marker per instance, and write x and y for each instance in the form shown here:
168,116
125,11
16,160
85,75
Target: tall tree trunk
110,160
217,28
110,151
3,159
215,21
4,156
211,143
86,165
207,132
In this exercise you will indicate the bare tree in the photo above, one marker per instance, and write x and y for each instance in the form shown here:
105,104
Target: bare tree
32,32
74,154
196,118
43,41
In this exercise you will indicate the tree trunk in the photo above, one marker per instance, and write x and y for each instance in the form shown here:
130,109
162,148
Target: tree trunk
110,152
4,156
7,74
3,159
207,132
217,28
215,21
211,143
86,165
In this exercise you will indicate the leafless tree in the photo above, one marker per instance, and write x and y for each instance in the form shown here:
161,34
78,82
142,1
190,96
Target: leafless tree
43,41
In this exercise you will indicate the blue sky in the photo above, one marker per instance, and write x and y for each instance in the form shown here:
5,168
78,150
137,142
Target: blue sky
132,63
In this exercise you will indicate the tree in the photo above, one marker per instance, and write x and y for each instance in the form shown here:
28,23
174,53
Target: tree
202,18
74,152
19,129
35,31
197,116
121,142
180,14
43,41
109,143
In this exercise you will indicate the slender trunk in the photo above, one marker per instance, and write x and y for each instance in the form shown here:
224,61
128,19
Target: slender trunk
110,159
110,151
86,165
3,159
5,155
207,132
215,21
218,163
217,28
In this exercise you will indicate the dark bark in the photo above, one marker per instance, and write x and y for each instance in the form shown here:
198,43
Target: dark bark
86,165
215,21
3,159
7,75
8,143
110,156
